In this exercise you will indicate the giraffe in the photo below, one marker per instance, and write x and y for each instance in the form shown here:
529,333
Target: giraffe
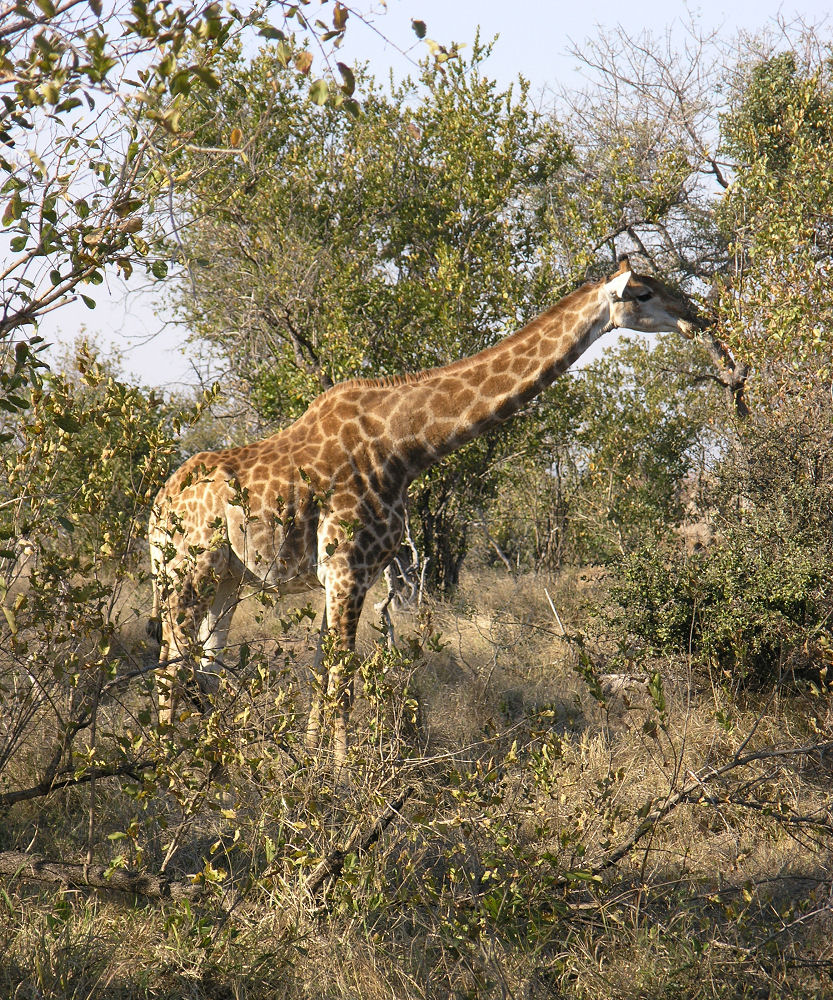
322,502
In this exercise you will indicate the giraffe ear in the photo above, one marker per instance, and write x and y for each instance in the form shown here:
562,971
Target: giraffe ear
617,285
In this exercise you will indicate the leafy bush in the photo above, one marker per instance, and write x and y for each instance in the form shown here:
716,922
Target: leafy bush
758,601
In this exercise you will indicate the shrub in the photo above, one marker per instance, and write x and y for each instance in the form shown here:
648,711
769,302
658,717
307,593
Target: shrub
758,601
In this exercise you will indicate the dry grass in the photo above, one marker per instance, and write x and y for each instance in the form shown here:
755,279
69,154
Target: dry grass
528,768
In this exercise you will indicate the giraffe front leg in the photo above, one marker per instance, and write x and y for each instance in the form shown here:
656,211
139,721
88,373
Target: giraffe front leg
344,610
166,685
340,693
213,636
196,608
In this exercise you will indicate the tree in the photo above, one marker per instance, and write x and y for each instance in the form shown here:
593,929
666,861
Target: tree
397,240
648,168
87,94
754,119
614,450
643,431
776,215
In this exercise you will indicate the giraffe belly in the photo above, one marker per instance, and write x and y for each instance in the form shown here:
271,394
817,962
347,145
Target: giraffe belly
274,559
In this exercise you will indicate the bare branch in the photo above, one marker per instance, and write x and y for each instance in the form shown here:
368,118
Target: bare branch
19,864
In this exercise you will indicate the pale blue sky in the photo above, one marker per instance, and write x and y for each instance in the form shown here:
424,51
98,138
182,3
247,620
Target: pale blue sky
534,39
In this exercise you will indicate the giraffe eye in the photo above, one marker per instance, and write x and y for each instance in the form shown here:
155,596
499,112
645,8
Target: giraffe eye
643,297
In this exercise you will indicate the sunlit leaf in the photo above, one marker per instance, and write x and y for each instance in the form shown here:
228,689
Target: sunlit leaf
303,61
180,82
340,15
283,54
132,225
206,76
10,619
319,91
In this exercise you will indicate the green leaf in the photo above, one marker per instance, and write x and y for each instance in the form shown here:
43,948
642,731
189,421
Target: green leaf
14,209
283,54
206,77
88,302
126,206
51,90
10,618
419,28
582,876
275,34
66,423
319,92
181,82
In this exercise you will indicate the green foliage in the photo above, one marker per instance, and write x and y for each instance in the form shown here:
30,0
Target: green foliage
643,429
756,603
81,462
607,462
747,608
776,308
74,423
88,100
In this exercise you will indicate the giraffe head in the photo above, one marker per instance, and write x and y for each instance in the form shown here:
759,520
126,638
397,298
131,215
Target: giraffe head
639,302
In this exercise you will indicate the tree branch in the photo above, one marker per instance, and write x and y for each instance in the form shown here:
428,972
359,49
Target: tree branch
19,864
329,869
732,374
70,780
693,791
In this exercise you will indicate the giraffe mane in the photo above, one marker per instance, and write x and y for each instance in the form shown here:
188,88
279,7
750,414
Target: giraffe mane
384,381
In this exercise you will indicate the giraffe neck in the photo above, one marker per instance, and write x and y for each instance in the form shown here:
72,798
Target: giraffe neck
460,401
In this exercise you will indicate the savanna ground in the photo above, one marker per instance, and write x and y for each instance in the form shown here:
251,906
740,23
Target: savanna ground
565,823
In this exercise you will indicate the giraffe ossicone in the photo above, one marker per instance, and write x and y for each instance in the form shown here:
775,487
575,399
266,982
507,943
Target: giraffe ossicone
321,504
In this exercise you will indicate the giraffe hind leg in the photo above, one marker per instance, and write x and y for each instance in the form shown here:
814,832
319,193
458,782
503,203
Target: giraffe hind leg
319,687
195,619
213,635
